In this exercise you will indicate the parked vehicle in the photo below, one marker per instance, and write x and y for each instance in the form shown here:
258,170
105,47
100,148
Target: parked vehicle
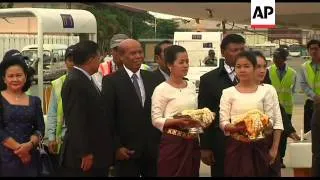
198,45
295,50
53,59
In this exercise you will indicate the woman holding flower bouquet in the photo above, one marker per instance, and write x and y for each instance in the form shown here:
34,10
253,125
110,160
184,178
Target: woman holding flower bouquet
179,152
250,150
289,130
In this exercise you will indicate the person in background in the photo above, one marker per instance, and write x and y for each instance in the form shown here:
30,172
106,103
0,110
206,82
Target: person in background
310,76
244,157
179,152
55,120
88,146
212,141
288,129
283,79
211,59
21,119
108,67
162,71
127,97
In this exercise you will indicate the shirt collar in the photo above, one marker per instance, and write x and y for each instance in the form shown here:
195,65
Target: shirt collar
130,73
164,74
83,71
284,69
228,68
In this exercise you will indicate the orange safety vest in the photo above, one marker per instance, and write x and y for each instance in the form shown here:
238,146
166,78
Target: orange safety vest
105,68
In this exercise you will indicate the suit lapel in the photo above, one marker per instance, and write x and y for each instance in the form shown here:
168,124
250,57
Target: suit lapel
224,73
146,85
86,80
160,75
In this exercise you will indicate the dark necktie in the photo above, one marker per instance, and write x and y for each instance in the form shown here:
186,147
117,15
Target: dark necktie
235,78
134,78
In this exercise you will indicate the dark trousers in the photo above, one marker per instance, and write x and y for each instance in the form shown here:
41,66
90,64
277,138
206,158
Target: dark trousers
308,110
55,162
144,166
219,140
315,141
72,172
283,141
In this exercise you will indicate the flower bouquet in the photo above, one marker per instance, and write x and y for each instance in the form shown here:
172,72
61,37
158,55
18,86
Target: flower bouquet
204,116
257,125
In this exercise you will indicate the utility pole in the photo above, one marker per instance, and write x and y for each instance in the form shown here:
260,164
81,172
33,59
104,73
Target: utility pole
131,26
224,30
155,28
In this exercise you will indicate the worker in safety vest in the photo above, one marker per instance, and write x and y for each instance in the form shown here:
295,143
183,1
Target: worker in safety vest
56,127
283,79
310,82
110,66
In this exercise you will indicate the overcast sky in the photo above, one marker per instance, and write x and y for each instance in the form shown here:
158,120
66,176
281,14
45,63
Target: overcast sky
166,16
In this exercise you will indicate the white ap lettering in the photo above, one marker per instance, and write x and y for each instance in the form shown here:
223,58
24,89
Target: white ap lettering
268,10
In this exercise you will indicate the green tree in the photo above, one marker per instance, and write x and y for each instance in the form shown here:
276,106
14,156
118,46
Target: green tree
6,5
166,28
111,20
107,25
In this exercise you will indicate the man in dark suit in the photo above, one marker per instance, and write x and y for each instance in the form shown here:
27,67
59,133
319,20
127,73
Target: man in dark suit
162,71
88,145
315,129
127,96
212,141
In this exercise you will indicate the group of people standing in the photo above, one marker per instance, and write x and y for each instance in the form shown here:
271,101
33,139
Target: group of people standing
116,114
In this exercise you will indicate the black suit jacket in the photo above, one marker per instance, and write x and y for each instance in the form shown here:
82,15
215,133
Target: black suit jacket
87,130
131,123
210,92
159,75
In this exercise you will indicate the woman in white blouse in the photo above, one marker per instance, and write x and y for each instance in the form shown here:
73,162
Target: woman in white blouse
179,152
244,158
289,130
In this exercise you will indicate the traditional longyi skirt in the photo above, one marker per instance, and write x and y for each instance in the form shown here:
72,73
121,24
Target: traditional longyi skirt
250,159
178,156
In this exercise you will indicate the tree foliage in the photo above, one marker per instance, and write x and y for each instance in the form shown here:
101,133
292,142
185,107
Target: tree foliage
166,28
137,25
6,5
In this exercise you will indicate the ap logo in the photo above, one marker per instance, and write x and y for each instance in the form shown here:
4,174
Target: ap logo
263,14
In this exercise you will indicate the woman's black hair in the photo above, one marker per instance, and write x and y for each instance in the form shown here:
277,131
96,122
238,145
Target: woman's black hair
259,54
267,79
170,53
18,60
248,55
